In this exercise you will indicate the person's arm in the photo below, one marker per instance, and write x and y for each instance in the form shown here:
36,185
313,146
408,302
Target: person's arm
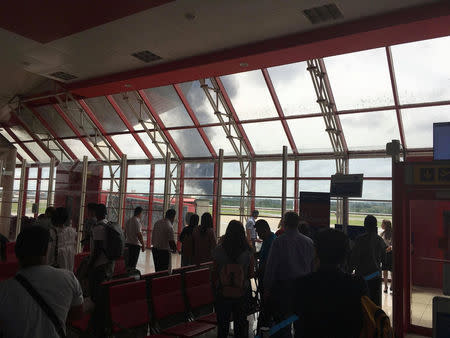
172,244
139,235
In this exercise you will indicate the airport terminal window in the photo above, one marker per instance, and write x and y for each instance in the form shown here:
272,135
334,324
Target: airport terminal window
267,137
219,140
309,135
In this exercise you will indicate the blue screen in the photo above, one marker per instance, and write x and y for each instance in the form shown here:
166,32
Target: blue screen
441,141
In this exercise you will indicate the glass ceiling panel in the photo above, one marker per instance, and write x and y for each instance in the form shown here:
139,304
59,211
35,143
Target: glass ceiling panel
249,95
22,153
218,139
317,168
310,135
32,123
371,167
129,105
199,102
21,134
151,147
6,135
169,107
418,124
55,121
128,145
73,112
79,149
190,143
38,152
370,131
267,137
360,80
422,70
106,114
294,89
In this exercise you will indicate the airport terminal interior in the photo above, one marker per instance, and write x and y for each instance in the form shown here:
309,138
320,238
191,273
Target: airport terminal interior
334,110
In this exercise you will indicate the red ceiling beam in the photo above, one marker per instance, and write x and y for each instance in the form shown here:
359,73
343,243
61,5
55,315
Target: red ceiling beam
100,127
53,133
19,157
129,126
235,116
20,143
277,104
195,120
76,132
395,94
401,26
158,120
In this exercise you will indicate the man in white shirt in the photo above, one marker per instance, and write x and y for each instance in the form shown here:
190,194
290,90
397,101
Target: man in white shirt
20,314
133,237
250,228
163,241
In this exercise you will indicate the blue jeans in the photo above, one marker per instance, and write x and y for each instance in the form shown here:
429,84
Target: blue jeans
226,307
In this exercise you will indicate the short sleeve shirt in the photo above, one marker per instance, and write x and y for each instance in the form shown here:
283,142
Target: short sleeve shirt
162,234
21,316
132,229
251,226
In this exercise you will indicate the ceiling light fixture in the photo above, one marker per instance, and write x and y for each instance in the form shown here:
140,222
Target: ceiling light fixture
243,64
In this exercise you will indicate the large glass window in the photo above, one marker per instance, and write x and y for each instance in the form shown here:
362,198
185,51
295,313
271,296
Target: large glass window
267,137
190,143
106,114
310,135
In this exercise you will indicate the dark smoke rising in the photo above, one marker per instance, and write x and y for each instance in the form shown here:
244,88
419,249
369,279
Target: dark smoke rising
204,187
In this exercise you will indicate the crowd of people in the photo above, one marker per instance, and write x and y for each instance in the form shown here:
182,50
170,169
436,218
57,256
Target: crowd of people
316,277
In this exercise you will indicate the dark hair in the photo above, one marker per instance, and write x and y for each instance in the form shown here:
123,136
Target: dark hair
193,221
255,213
49,211
138,211
332,247
60,216
101,212
387,229
206,223
92,207
234,241
370,223
262,224
291,220
32,242
303,228
170,213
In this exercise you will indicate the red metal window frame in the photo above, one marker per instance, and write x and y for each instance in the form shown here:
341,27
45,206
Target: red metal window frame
100,127
158,120
129,126
20,143
52,131
195,120
20,158
280,112
76,132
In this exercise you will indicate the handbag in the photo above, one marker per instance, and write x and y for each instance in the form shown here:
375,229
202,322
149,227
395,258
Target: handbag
42,303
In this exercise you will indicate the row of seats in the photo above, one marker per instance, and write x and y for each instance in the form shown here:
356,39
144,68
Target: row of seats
181,304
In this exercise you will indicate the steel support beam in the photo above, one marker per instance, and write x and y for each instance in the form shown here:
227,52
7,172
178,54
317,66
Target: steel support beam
37,195
122,189
20,205
151,197
51,182
25,192
167,184
296,186
218,179
396,99
284,181
179,192
84,174
20,143
280,112
129,126
194,119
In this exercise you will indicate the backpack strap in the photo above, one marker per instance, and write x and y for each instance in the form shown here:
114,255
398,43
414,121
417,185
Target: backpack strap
42,303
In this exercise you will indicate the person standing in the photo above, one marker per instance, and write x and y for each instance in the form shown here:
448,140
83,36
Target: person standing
187,241
250,228
88,224
204,240
386,265
366,257
134,240
163,241
46,219
291,257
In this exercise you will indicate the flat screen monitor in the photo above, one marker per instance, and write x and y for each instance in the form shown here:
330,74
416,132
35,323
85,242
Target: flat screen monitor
441,141
346,185
353,231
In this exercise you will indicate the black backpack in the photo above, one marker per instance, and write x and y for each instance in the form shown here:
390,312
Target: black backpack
115,241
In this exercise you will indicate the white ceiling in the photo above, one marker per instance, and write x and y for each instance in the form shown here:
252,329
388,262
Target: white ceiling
164,30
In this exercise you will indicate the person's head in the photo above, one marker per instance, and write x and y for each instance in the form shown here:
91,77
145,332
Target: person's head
138,212
170,215
49,212
91,208
386,225
255,214
187,217
101,212
262,229
60,217
31,246
234,242
332,247
193,221
206,222
41,217
370,223
303,228
291,220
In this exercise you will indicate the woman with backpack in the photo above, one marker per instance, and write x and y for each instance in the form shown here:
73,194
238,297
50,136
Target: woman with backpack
204,240
234,265
187,241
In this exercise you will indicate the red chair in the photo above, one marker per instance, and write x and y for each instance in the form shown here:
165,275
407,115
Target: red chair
149,276
169,309
10,251
128,306
8,269
184,269
200,296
